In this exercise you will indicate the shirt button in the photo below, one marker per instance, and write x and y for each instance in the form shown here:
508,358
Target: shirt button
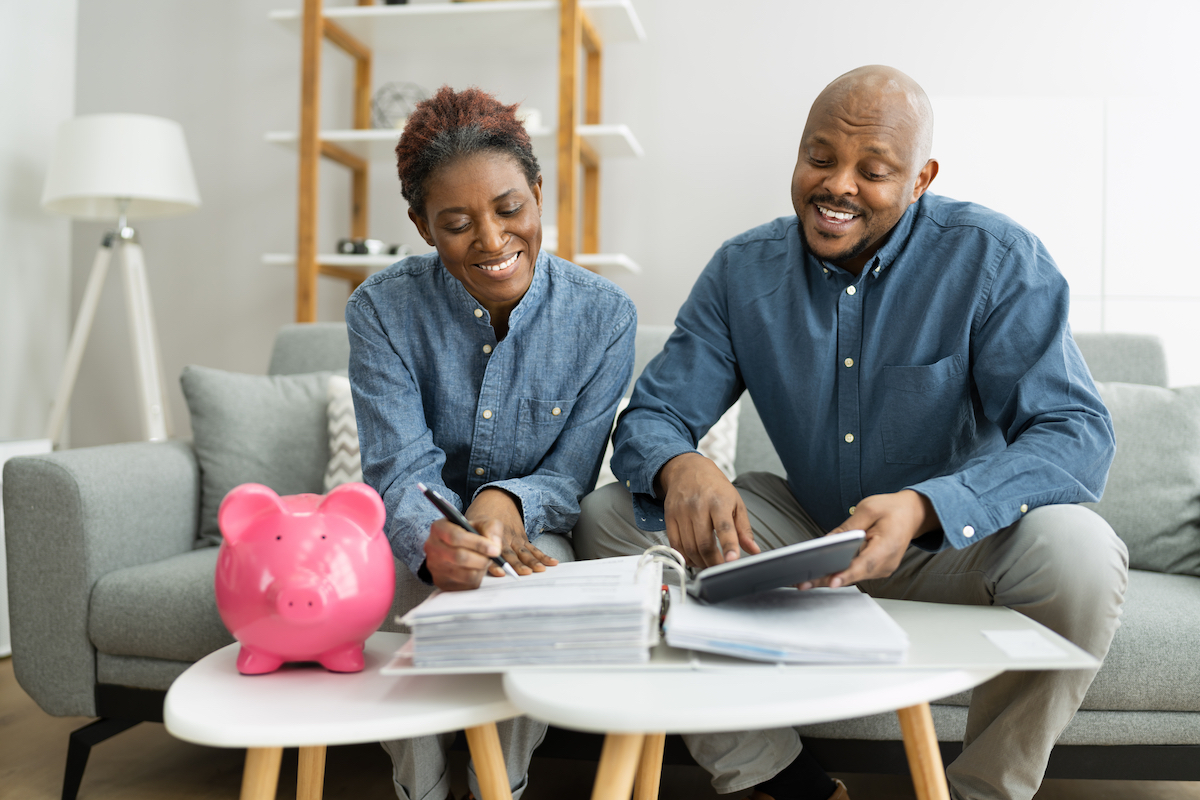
849,437
877,270
556,411
852,510
626,484
825,270
849,362
968,531
487,348
1024,508
487,413
479,312
850,290
479,470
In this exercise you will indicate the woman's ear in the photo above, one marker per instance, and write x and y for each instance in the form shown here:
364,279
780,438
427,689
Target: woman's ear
536,187
423,226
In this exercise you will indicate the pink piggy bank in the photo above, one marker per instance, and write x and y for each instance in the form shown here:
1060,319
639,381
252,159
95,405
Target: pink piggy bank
303,577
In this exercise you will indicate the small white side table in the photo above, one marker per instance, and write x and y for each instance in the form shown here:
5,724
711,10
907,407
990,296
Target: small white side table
9,449
950,651
310,708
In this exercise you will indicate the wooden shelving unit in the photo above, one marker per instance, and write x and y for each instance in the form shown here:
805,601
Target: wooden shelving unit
582,27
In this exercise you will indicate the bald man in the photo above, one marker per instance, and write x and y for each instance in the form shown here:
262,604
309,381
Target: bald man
911,361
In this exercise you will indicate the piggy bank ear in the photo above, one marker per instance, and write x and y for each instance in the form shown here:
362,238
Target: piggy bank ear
357,502
243,506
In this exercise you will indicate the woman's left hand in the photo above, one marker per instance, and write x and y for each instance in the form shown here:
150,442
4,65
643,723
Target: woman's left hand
494,511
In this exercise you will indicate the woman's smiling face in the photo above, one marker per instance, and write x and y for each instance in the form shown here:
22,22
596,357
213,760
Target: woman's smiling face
485,220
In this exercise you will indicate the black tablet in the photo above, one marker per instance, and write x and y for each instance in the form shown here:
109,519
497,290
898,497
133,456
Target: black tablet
786,566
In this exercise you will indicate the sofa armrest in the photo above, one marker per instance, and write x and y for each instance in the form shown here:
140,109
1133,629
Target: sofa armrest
70,518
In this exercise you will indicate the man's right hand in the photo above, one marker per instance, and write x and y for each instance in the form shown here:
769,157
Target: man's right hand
699,500
458,559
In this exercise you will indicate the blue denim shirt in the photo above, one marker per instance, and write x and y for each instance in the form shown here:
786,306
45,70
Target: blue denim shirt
947,367
439,400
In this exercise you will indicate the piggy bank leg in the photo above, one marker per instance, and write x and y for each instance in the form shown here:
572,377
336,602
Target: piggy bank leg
256,662
348,658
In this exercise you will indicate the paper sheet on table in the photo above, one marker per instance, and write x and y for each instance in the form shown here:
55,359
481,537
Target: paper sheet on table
1024,644
819,626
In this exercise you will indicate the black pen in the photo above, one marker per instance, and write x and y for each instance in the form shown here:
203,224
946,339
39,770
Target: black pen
454,515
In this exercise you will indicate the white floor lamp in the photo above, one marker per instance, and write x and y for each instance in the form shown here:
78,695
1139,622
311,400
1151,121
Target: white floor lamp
123,167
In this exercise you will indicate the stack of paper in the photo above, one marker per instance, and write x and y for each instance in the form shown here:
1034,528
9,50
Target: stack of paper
818,626
583,612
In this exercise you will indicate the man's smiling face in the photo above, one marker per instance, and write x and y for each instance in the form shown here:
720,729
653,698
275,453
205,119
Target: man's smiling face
862,162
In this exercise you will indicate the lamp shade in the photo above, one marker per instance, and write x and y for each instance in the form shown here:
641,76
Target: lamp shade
99,159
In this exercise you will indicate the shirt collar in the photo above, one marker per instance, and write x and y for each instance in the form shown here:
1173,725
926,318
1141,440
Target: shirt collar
537,288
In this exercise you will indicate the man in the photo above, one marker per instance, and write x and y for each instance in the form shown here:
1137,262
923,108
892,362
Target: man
911,360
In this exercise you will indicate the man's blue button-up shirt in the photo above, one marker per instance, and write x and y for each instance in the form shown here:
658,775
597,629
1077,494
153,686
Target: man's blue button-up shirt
947,366
439,400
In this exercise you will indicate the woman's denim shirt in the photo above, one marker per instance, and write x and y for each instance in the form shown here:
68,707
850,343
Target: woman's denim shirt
439,400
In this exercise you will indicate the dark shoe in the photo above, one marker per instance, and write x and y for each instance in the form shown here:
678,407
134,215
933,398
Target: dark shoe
839,793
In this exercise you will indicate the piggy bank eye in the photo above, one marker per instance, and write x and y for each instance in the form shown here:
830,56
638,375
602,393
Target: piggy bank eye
277,538
322,536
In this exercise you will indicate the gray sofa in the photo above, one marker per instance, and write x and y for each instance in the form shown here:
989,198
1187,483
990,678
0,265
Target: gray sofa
111,598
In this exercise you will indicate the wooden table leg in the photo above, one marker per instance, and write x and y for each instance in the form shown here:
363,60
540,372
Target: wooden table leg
310,775
924,755
649,771
484,743
260,776
618,766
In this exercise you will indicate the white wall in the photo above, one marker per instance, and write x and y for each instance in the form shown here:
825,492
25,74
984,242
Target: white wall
717,96
37,87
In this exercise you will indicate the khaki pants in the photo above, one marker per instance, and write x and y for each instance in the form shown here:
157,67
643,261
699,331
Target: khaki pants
1060,565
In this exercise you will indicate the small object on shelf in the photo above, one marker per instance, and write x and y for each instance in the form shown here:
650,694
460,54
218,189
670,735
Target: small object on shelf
393,102
357,246
360,246
394,2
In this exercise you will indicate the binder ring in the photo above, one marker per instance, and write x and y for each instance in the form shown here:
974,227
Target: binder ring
669,556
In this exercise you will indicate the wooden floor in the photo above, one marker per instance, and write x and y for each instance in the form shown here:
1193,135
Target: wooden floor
146,763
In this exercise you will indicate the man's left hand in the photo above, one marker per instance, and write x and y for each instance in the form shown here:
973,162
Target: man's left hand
891,522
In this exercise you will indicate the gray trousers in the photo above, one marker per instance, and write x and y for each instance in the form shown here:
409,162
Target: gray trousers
1060,565
419,768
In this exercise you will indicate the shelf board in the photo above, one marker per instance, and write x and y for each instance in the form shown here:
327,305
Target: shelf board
376,263
434,25
599,261
372,263
379,144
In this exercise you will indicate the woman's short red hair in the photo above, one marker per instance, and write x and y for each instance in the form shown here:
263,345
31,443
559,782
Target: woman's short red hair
451,125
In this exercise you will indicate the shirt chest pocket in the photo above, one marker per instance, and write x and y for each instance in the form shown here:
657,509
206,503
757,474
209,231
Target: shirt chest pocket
539,423
927,411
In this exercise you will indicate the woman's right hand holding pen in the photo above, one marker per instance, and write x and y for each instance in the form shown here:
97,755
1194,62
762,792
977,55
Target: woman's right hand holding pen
458,559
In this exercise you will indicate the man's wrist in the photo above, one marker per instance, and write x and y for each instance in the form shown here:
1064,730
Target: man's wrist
663,479
928,518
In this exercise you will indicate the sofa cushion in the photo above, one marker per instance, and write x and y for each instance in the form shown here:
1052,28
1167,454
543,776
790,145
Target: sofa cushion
166,609
345,460
1152,499
268,429
1151,665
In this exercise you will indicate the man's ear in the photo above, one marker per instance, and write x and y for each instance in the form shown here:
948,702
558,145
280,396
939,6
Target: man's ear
924,178
422,226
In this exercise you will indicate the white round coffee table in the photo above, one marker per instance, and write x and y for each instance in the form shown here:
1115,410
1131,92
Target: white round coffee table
634,707
310,708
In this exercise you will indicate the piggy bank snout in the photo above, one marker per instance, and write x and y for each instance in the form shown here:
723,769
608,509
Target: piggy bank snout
301,603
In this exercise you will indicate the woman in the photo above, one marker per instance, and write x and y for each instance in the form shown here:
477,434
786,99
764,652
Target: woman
487,370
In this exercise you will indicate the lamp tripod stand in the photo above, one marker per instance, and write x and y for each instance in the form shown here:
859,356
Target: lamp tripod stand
156,421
